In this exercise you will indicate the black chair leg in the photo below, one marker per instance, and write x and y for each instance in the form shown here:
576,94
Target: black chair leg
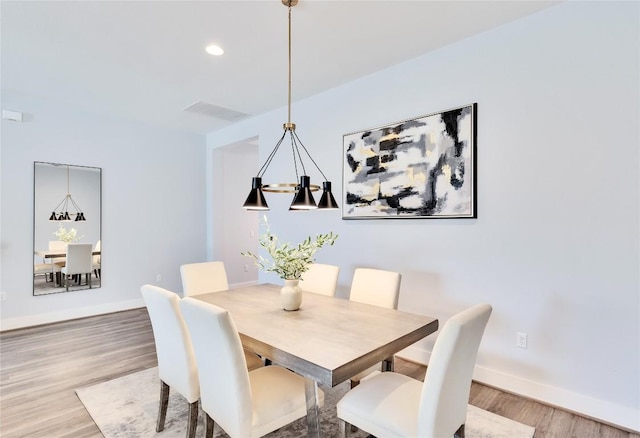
193,419
162,409
459,433
209,425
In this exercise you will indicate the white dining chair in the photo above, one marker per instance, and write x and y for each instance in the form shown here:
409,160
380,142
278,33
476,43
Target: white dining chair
378,288
204,277
97,260
177,366
320,279
46,269
78,261
57,245
395,405
243,403
60,247
207,277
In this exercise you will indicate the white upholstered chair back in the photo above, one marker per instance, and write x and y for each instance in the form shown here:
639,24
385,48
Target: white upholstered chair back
176,360
79,259
224,380
376,287
204,277
445,393
391,404
177,367
57,245
245,404
320,279
96,258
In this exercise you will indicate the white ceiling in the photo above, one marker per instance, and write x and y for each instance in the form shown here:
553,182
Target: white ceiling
145,60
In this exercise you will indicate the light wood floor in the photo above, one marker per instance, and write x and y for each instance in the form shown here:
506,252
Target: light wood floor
42,366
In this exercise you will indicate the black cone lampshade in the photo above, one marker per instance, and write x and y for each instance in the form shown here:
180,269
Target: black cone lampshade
255,200
303,200
327,201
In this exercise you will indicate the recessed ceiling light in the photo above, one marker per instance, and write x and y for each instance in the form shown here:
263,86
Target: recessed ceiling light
214,50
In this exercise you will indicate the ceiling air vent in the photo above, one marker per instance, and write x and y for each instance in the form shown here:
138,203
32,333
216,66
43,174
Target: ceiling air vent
215,111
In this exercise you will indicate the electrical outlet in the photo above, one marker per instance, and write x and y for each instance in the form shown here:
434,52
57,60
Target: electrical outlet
246,268
521,340
3,296
158,278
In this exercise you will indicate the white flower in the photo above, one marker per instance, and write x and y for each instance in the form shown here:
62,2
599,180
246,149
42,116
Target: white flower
67,236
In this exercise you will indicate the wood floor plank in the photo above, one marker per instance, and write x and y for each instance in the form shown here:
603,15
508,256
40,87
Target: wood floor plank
41,367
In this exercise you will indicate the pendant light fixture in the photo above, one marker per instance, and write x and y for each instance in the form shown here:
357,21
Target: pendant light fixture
63,213
303,196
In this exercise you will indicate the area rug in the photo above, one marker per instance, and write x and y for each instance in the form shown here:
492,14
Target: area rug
126,407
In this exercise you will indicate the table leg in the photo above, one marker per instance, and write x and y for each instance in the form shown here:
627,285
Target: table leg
313,416
388,364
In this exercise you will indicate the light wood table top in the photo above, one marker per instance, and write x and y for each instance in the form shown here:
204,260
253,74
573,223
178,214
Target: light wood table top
328,339
52,254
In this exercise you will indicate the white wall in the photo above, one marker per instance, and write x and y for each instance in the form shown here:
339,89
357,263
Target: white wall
555,248
153,206
236,229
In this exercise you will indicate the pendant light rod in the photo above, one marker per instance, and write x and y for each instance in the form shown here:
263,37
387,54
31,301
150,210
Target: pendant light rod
289,124
64,215
303,198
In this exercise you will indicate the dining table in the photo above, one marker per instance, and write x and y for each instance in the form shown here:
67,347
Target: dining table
56,254
327,341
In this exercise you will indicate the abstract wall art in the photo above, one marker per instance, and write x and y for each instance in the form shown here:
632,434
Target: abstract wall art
420,168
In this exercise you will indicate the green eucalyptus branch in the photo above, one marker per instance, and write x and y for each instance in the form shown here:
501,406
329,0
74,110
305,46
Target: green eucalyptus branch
289,262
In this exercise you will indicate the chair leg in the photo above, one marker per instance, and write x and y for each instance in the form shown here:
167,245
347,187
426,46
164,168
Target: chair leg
345,428
209,426
162,409
193,419
89,278
459,433
66,280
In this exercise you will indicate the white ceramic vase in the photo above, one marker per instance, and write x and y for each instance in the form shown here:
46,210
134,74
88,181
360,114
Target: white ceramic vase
291,295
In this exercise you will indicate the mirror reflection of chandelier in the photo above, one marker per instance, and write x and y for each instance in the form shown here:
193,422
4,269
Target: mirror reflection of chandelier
303,198
61,212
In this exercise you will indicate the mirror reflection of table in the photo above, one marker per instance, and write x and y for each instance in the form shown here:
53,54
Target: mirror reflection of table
56,254
49,254
327,341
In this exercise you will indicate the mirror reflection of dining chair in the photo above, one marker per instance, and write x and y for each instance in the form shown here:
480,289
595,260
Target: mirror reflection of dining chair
60,247
206,277
96,260
379,288
79,261
320,279
243,403
203,277
49,270
392,404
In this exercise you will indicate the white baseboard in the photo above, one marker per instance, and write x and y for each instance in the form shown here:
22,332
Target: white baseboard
600,410
65,315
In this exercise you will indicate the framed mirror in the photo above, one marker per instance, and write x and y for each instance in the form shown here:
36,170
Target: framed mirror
67,228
